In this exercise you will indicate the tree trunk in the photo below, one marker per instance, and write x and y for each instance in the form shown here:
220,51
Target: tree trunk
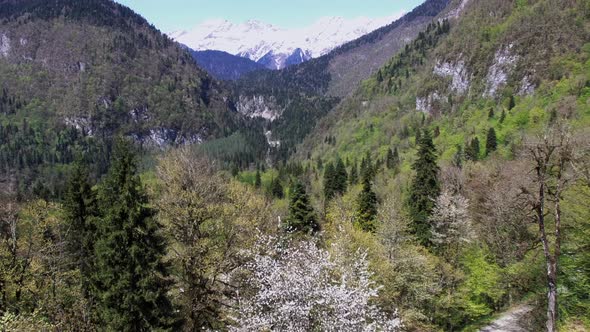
551,297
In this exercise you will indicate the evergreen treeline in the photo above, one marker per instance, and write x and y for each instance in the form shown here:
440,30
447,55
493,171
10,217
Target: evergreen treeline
35,155
391,77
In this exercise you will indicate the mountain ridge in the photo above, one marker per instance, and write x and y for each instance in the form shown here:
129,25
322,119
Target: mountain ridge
225,66
77,74
310,90
276,47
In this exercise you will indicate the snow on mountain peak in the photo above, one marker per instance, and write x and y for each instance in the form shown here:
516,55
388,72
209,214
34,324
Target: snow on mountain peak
274,46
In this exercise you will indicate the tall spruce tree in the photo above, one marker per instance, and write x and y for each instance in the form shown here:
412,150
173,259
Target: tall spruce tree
302,217
353,176
425,188
340,178
80,211
389,159
130,277
276,189
257,179
491,141
458,157
472,150
392,160
511,102
367,207
367,168
329,181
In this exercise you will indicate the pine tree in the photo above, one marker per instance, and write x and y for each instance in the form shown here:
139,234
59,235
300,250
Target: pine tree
257,180
235,170
80,209
458,157
418,134
491,113
301,214
130,277
472,150
511,103
503,116
276,189
491,142
367,207
425,188
392,158
341,177
389,159
367,169
353,176
329,182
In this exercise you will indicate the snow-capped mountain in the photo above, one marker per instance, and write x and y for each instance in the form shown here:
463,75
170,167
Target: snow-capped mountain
276,47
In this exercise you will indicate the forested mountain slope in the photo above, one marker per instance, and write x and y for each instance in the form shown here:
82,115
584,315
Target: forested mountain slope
300,95
477,131
225,66
451,186
523,61
76,73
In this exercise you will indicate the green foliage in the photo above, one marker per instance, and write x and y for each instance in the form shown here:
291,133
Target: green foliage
80,212
392,161
391,78
36,154
425,188
276,188
335,179
239,150
353,175
302,217
511,102
341,177
575,260
367,168
472,150
483,288
366,207
491,141
130,276
329,181
257,180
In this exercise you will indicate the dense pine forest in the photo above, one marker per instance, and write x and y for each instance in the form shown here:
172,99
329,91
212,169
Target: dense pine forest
446,189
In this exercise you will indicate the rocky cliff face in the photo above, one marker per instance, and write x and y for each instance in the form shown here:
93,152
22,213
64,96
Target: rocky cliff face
259,107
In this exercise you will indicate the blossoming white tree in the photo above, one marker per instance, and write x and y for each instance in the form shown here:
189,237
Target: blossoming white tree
302,288
451,224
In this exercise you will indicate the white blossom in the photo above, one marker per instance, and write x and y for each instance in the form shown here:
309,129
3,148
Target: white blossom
302,288
450,220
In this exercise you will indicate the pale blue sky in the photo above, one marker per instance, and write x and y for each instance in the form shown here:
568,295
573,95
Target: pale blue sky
169,15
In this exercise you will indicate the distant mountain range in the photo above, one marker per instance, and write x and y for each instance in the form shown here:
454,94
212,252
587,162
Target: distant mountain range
274,47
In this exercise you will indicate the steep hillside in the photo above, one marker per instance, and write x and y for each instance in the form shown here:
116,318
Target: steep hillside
526,60
224,66
473,108
302,94
75,72
331,74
